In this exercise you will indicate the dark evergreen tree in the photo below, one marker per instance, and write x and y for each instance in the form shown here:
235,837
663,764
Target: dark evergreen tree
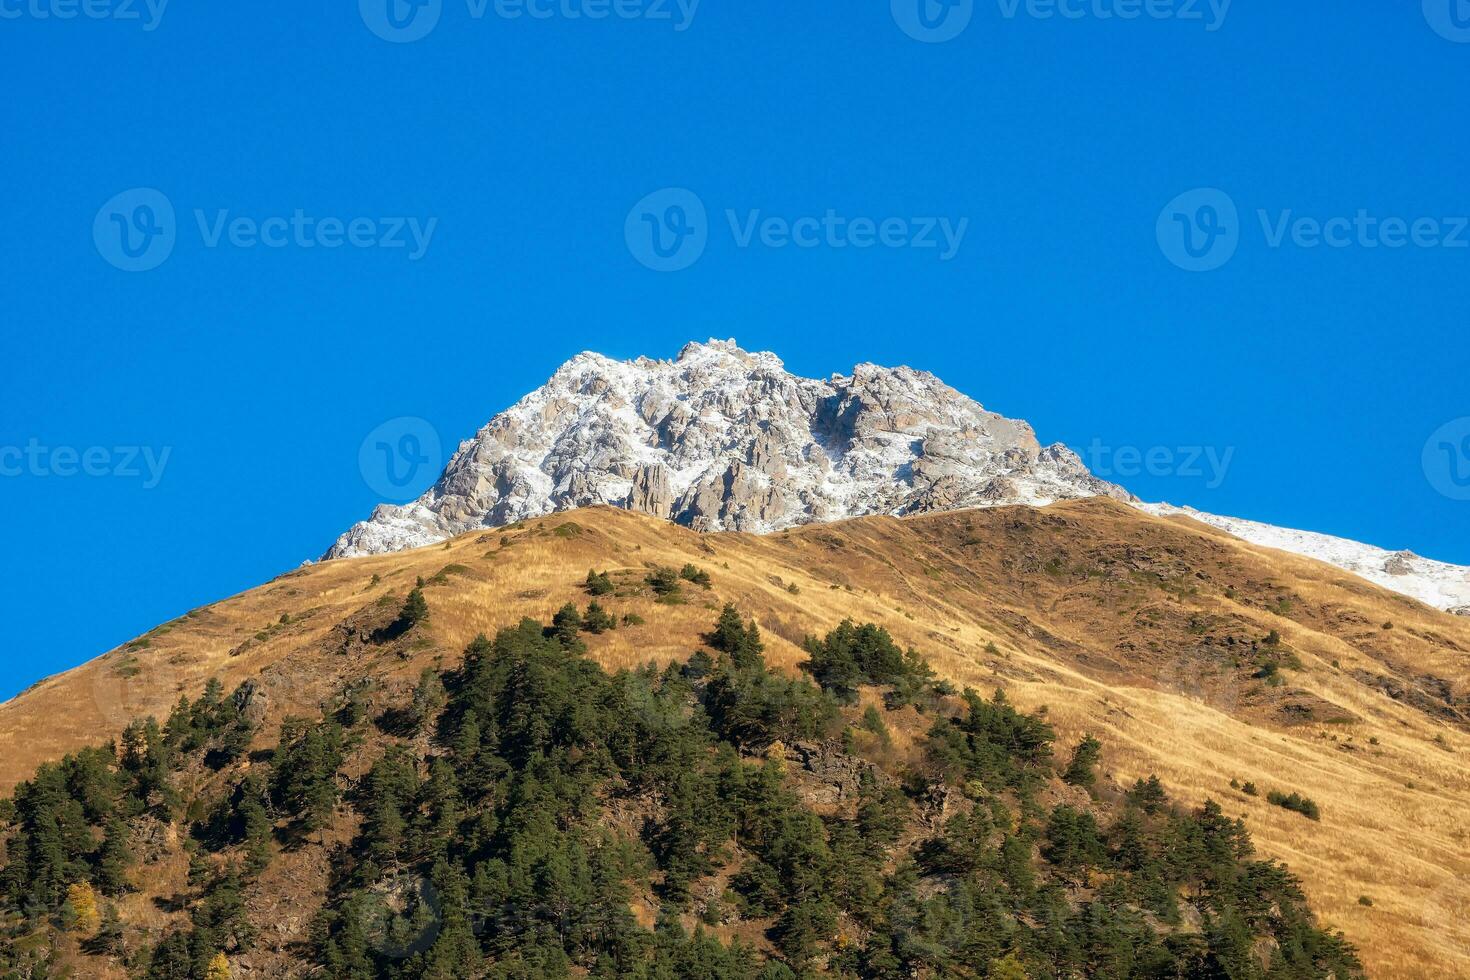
598,583
1081,771
414,612
598,619
565,625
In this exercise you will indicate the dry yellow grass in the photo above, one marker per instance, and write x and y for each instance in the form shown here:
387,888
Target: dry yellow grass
1088,606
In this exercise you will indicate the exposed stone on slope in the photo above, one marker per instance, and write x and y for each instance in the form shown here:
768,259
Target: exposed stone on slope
725,439
651,492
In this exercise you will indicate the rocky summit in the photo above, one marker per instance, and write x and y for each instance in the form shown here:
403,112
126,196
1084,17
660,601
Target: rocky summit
724,439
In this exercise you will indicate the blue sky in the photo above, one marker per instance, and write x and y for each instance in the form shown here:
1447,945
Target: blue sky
519,146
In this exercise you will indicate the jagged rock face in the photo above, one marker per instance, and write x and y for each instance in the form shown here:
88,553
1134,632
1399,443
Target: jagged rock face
723,439
1400,563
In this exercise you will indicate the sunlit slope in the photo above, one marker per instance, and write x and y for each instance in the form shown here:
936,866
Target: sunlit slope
1146,632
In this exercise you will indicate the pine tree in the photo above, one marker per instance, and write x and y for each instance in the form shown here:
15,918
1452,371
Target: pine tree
110,932
665,583
598,619
873,722
740,641
258,829
1081,770
598,583
565,625
114,859
347,953
1149,796
172,959
428,699
415,610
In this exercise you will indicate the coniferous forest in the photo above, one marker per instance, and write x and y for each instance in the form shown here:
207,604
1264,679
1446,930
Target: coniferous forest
528,814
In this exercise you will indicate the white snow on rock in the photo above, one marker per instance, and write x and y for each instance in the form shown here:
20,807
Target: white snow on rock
723,439
1434,583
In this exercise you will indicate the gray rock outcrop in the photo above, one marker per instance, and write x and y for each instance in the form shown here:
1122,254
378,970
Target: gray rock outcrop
724,439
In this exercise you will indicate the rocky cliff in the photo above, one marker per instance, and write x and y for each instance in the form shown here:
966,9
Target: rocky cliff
724,439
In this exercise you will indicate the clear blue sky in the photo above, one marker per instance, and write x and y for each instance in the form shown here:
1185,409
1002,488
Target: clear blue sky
260,370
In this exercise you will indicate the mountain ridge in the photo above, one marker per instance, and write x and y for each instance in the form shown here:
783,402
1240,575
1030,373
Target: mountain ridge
721,438
1151,633
724,439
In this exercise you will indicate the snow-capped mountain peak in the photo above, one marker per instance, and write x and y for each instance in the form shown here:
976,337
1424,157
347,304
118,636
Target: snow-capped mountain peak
721,438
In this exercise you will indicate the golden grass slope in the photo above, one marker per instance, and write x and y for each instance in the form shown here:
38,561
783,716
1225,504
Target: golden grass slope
1118,622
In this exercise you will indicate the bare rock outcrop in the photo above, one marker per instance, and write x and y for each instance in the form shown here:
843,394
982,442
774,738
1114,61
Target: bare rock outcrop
725,439
651,492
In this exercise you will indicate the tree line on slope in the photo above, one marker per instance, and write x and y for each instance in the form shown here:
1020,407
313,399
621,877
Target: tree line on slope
536,800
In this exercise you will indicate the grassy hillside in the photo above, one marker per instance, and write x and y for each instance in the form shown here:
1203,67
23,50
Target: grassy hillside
516,810
1187,654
